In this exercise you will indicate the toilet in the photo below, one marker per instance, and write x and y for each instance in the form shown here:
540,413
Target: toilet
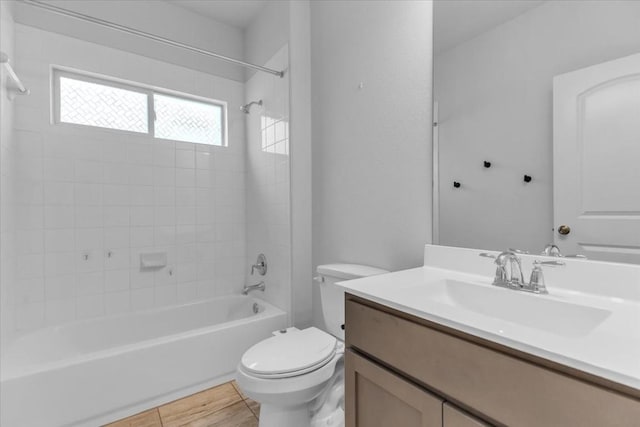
297,376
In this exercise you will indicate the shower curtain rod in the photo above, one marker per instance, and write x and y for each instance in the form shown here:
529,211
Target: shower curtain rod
129,30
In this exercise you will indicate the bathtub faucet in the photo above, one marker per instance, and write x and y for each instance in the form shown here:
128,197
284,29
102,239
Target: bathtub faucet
248,288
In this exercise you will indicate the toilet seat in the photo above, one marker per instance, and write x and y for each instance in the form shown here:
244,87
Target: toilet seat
289,355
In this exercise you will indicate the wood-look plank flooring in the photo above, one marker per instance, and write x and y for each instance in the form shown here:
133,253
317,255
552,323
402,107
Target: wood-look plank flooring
221,406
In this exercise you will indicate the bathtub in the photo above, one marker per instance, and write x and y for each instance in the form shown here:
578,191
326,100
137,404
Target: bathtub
96,371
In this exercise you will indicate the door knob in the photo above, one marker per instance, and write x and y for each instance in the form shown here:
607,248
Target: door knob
564,230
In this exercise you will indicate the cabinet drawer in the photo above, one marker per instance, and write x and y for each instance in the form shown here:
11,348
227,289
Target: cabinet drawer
376,397
502,388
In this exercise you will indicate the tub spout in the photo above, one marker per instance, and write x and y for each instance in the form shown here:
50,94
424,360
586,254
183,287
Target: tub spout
248,288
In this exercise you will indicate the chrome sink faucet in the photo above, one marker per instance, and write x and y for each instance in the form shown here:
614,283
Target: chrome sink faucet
554,251
257,287
509,273
508,270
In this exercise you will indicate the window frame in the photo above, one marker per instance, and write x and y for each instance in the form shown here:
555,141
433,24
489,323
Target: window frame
57,72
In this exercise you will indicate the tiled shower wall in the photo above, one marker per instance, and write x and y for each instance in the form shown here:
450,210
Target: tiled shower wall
91,201
268,207
7,173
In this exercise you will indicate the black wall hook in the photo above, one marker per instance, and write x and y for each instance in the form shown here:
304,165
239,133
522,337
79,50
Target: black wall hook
456,184
487,164
527,178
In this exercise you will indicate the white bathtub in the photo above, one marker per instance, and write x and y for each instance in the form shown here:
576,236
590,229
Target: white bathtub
96,371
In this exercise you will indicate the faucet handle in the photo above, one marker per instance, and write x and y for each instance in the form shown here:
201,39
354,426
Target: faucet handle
487,255
260,265
518,251
538,263
536,282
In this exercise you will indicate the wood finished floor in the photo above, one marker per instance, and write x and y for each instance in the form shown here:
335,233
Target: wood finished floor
221,406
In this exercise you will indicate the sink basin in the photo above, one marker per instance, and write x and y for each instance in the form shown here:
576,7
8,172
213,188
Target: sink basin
534,311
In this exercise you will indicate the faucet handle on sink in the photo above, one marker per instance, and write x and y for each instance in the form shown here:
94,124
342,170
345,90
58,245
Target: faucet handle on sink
536,282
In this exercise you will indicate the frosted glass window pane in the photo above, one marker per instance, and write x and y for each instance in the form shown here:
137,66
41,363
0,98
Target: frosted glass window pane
92,104
187,120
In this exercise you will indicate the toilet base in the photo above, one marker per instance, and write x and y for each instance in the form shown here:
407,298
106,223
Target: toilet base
278,416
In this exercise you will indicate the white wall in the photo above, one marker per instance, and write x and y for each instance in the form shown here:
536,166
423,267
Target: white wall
8,172
495,103
300,148
266,35
167,20
371,146
90,191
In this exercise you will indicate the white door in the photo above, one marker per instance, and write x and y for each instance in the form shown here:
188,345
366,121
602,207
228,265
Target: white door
596,160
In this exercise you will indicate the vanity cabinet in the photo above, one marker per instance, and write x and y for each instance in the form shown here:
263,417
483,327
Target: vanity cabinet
398,365
382,398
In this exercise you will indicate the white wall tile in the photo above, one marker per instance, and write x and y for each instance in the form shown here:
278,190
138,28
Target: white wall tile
142,195
141,236
89,238
117,216
59,217
141,175
59,240
164,196
140,154
87,172
116,259
142,216
163,156
116,238
117,302
90,284
165,295
60,287
85,193
88,194
116,173
185,159
89,306
141,279
116,280
115,195
60,311
164,176
187,292
88,216
185,177
60,170
142,299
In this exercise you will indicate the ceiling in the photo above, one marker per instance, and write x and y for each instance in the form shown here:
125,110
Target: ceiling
456,21
238,13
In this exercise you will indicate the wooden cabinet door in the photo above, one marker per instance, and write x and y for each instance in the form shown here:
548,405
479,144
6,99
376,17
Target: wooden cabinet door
454,417
376,397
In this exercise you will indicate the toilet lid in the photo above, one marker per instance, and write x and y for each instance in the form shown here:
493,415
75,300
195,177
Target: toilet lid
290,353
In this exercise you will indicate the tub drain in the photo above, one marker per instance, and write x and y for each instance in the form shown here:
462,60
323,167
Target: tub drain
256,308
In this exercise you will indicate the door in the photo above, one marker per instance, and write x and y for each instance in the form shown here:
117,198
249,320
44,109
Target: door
596,160
376,397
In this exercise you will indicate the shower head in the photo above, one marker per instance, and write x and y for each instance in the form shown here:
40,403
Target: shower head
247,107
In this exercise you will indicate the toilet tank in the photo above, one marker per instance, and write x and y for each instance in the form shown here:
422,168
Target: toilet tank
332,297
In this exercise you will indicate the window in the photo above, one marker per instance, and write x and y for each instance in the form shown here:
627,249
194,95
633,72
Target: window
89,101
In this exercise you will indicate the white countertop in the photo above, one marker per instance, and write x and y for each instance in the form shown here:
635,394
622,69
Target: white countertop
610,349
